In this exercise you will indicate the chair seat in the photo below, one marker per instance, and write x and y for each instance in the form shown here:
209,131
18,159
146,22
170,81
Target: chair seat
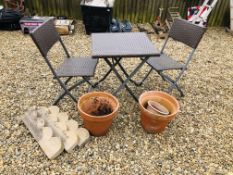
164,62
77,66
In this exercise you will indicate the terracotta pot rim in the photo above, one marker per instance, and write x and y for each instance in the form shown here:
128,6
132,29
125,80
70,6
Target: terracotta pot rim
156,109
161,92
103,116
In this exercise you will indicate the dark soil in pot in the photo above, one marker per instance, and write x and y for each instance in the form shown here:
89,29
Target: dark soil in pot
102,107
98,109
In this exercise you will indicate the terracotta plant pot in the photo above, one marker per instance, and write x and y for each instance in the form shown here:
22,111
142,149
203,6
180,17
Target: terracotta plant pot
98,109
155,122
157,108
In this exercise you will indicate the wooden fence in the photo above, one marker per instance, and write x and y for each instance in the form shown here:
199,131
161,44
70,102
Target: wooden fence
137,11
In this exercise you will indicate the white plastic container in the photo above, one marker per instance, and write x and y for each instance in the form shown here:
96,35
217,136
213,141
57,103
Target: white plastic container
98,3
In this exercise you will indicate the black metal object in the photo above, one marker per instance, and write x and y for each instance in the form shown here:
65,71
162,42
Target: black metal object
9,19
96,19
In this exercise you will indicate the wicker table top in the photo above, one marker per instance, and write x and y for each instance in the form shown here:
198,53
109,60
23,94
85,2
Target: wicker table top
134,44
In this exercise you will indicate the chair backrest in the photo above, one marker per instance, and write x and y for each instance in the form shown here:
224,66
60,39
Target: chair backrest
45,36
186,32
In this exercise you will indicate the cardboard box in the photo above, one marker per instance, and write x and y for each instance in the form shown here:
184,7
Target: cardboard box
64,26
28,24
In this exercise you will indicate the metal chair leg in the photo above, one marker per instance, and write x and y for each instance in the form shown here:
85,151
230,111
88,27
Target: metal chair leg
65,92
161,74
142,81
173,83
91,86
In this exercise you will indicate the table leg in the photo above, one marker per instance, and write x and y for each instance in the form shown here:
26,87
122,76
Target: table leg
105,76
120,78
132,74
127,75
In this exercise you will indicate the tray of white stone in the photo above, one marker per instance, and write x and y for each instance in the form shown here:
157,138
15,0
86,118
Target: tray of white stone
54,131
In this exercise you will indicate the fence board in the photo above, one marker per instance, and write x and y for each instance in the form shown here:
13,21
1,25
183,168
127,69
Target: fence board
133,10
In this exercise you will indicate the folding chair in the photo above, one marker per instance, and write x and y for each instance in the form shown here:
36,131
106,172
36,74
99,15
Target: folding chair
186,33
45,36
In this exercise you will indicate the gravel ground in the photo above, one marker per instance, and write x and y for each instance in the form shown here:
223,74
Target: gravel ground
198,141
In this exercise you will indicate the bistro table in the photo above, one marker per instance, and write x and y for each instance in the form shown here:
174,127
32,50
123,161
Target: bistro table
118,46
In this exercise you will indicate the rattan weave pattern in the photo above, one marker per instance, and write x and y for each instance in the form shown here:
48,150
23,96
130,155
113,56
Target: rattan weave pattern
164,62
77,67
186,32
122,44
45,37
